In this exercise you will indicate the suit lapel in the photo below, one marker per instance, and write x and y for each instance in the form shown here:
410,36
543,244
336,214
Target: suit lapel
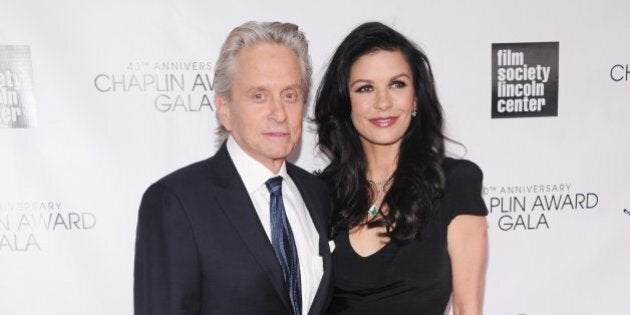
239,209
316,209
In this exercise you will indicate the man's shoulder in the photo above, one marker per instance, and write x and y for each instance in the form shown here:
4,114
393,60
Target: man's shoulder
187,176
191,171
194,173
295,170
309,178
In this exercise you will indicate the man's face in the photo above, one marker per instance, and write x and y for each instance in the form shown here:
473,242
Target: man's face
264,114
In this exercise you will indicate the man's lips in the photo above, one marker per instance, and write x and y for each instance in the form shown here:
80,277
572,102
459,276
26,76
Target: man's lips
276,134
384,121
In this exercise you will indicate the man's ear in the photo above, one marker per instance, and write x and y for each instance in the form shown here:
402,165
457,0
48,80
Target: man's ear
223,111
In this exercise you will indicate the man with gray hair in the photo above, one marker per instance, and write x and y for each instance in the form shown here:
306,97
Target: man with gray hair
243,232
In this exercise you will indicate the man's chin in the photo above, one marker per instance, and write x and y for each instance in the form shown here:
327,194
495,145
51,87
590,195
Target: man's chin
278,154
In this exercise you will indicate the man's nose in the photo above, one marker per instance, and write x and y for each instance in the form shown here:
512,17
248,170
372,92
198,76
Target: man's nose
278,111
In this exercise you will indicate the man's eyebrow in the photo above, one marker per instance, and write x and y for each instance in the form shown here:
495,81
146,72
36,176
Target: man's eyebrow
293,86
266,88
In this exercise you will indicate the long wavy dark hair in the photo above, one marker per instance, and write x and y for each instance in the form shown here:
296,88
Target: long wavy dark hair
418,180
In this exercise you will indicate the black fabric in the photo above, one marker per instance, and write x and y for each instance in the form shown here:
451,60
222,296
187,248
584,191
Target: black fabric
201,249
412,277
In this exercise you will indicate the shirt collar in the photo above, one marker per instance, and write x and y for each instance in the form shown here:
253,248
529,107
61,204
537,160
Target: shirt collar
253,173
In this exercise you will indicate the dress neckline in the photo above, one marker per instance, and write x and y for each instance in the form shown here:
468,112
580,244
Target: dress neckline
354,252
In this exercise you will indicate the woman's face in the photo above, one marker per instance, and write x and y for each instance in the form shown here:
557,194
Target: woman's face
382,97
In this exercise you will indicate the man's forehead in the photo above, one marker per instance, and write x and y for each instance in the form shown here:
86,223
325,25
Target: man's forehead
267,69
273,86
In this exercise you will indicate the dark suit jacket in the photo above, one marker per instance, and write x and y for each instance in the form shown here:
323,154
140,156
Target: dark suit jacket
201,248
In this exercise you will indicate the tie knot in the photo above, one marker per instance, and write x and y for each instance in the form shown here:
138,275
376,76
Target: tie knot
274,185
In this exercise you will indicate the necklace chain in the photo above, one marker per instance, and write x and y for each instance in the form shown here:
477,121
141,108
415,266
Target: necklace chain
380,182
380,188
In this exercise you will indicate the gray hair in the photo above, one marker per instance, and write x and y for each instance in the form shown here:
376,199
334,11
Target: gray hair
248,35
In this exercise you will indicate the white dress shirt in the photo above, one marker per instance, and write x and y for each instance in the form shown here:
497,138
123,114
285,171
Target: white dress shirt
254,176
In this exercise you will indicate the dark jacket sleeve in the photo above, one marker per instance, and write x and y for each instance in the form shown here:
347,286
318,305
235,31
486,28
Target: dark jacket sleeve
166,271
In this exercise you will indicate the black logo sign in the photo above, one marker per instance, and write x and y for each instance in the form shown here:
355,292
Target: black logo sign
525,79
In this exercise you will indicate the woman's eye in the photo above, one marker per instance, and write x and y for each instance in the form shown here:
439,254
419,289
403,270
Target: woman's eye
364,89
398,84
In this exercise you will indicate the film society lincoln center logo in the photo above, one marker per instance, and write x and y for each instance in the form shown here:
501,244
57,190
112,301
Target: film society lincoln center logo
17,104
525,79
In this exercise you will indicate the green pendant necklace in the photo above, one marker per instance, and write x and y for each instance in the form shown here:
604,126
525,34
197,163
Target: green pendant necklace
380,189
372,211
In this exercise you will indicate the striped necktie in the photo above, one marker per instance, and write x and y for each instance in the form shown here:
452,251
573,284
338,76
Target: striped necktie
284,244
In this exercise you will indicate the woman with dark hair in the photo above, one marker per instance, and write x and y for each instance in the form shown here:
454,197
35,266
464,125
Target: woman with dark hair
409,225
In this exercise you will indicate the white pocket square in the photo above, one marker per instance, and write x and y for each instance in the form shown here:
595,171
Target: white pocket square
331,244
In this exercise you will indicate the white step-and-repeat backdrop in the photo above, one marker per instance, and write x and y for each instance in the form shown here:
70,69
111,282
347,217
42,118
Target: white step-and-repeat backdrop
100,99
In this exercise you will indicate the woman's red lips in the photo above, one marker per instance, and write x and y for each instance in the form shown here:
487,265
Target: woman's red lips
384,121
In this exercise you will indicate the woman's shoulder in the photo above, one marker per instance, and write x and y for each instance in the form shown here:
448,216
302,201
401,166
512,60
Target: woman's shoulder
461,169
463,186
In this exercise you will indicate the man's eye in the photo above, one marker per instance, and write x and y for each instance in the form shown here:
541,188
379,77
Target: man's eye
290,96
259,96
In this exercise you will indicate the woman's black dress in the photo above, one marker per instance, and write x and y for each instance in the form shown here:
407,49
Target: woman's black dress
412,277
